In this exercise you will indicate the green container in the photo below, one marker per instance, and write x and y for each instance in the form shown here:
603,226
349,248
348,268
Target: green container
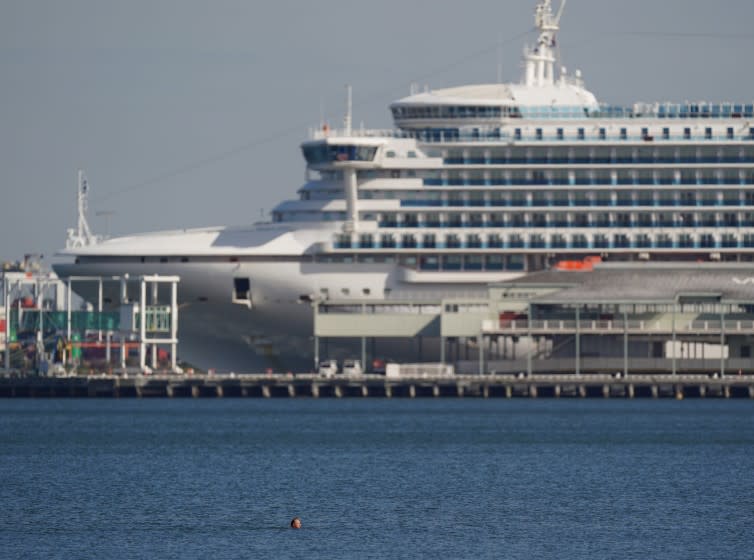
75,348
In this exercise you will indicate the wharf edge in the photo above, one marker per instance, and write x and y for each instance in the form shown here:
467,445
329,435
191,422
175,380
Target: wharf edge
378,386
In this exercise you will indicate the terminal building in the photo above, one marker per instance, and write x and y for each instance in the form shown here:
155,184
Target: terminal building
617,318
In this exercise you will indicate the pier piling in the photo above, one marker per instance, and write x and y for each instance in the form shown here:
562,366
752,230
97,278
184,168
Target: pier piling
460,386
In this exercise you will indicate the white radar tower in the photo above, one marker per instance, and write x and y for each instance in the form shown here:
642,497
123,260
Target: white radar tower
540,62
82,235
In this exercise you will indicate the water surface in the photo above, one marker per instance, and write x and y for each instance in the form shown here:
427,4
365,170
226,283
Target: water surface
377,479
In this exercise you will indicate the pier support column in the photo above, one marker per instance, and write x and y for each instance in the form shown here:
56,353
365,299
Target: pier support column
388,392
338,390
631,391
679,392
436,391
412,391
219,393
577,341
291,390
582,391
244,391
606,391
533,391
266,391
364,390
557,391
315,390
673,360
722,342
529,353
459,390
486,391
316,347
195,391
508,392
751,391
480,352
726,391
169,391
702,391
364,367
655,391
625,343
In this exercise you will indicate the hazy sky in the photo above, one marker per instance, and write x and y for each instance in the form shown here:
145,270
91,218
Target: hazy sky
190,113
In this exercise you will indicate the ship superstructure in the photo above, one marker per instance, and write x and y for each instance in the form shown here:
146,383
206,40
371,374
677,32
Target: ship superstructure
476,184
511,176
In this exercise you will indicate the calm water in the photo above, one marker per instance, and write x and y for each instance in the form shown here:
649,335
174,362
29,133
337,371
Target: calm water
376,479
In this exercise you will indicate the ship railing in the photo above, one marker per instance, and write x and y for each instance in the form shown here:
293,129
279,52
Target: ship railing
616,326
321,134
507,135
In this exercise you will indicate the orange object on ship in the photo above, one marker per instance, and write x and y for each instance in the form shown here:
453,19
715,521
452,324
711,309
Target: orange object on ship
585,265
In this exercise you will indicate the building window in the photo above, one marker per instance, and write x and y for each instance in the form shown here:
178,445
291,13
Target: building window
623,133
687,133
493,262
408,241
581,133
241,289
452,262
708,133
560,134
666,134
388,241
452,241
517,134
429,263
538,133
730,134
365,241
603,134
473,262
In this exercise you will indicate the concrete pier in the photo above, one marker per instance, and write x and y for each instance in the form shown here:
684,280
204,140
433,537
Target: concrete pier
378,386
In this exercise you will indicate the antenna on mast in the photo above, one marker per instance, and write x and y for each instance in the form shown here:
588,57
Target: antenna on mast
349,111
540,61
500,59
82,235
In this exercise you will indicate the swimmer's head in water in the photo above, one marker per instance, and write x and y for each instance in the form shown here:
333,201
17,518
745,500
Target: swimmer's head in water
296,523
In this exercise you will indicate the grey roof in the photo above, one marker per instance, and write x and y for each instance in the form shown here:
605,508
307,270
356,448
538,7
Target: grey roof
650,282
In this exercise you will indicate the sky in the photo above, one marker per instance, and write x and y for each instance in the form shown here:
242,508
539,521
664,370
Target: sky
189,113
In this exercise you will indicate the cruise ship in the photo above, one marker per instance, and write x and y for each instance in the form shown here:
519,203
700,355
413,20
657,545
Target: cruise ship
475,184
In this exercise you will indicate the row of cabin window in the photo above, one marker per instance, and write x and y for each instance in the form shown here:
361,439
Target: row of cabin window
709,133
520,134
576,221
526,197
669,176
557,240
454,112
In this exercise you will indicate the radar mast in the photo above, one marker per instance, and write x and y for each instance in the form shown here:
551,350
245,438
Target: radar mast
540,62
82,236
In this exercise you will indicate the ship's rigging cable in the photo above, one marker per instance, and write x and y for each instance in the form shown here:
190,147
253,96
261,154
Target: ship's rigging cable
232,152
379,97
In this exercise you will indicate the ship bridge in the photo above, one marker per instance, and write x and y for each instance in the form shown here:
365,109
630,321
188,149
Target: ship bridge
493,104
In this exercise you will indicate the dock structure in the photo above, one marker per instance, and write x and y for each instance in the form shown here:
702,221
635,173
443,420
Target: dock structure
627,318
266,386
42,330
